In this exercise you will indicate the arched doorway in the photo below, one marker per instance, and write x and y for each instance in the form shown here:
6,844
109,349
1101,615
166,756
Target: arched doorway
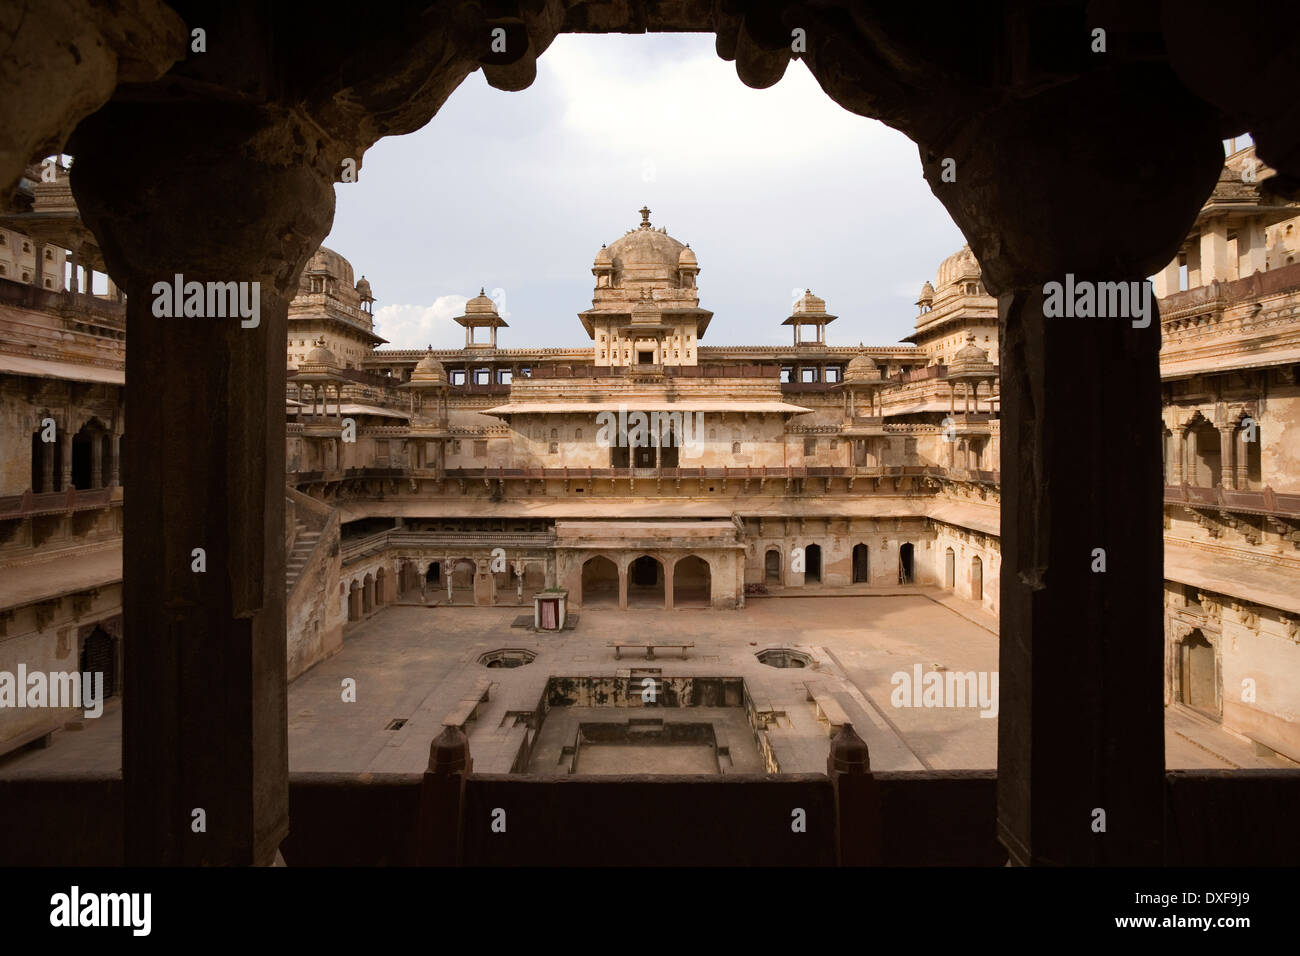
1205,461
645,583
692,583
99,656
462,578
906,573
599,583
1198,674
976,578
812,564
434,574
87,456
380,580
772,566
950,569
368,595
861,564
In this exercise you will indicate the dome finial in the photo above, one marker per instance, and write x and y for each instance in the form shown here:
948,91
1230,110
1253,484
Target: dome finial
645,217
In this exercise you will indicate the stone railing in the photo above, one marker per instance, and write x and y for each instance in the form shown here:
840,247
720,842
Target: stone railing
51,502
1265,502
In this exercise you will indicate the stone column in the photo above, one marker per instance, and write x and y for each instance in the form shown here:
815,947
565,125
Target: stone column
440,837
47,464
206,726
1051,777
97,460
1214,252
622,587
1251,249
72,272
1166,280
38,276
115,464
1225,458
668,585
1081,716
1194,265
1243,460
1191,469
65,458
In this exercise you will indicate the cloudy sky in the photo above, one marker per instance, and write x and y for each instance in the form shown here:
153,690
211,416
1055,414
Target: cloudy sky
775,190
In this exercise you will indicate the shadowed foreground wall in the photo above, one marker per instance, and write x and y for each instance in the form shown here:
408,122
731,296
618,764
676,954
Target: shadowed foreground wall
1213,818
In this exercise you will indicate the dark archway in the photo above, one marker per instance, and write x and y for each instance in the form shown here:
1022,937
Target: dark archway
368,594
434,574
88,456
812,564
692,583
381,579
99,655
645,583
906,571
772,566
861,564
1198,674
599,583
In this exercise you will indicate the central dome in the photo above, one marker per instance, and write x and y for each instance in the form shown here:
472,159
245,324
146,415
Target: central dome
646,255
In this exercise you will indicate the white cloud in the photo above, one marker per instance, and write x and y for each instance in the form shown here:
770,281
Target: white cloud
773,188
418,326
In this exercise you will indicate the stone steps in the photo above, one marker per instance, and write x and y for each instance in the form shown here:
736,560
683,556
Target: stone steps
303,546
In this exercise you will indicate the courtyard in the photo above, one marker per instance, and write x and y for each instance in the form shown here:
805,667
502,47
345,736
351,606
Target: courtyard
375,706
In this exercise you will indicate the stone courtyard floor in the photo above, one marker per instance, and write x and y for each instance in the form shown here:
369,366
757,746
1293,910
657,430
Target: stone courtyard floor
414,665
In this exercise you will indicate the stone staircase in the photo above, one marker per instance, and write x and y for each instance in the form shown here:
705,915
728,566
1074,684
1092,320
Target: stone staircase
304,543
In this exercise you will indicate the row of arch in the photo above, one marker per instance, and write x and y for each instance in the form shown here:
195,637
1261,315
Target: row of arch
1205,456
366,594
774,567
645,583
92,461
976,574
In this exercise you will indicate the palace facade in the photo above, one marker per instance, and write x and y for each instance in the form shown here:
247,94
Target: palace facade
652,470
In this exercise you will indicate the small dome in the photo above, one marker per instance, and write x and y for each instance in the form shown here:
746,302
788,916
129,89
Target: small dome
687,259
603,259
862,369
962,264
970,360
429,371
646,256
320,355
927,293
480,305
363,288
328,262
810,304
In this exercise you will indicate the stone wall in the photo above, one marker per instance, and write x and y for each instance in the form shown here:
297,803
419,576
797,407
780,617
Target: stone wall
47,637
314,621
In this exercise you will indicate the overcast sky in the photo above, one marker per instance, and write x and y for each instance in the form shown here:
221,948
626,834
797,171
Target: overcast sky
775,190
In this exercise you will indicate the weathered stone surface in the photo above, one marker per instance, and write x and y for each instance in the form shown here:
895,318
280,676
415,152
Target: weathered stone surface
60,60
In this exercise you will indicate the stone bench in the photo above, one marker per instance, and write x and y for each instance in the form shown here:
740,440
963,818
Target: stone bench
827,707
649,647
467,708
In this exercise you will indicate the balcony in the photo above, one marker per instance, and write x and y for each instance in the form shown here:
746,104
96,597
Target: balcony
29,504
1265,502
